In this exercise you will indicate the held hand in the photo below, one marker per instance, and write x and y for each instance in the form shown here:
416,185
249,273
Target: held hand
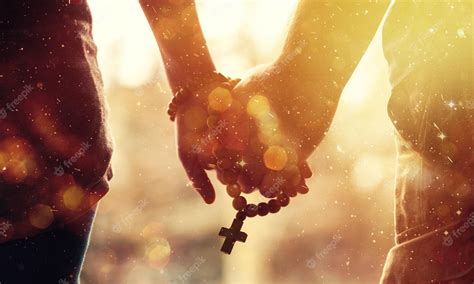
190,128
197,135
279,129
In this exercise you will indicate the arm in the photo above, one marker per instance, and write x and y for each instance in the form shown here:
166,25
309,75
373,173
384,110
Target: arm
188,65
327,40
176,28
325,43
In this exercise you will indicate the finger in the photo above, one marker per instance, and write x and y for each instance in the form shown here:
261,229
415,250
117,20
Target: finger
198,176
305,170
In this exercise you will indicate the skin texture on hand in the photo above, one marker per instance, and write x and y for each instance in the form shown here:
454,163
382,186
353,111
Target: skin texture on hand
188,65
325,43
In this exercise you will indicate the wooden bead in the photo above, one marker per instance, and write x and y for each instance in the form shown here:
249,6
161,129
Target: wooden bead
237,167
263,209
272,184
290,191
274,206
254,173
247,186
284,199
251,210
234,155
241,215
239,203
233,190
303,189
230,176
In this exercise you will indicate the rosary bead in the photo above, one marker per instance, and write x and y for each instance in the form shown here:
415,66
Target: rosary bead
263,209
239,203
233,190
252,175
241,215
237,167
230,176
303,189
234,155
284,199
290,191
274,206
271,184
251,210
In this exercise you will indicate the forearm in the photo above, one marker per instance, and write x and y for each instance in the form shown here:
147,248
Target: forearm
182,45
326,42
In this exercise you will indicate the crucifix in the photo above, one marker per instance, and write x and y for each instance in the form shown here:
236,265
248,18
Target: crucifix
232,235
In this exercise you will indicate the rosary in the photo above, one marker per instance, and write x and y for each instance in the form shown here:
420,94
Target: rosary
278,175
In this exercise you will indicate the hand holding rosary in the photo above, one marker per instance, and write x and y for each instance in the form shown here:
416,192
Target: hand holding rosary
242,141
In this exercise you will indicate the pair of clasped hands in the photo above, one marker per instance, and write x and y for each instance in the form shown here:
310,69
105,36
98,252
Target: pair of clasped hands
255,132
249,133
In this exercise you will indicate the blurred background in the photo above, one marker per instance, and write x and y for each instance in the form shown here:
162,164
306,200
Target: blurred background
153,228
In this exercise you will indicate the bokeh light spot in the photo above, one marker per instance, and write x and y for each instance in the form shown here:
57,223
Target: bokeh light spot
41,216
72,197
257,106
275,158
158,253
220,99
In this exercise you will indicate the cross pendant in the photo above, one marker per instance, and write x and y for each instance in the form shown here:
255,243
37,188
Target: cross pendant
232,235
